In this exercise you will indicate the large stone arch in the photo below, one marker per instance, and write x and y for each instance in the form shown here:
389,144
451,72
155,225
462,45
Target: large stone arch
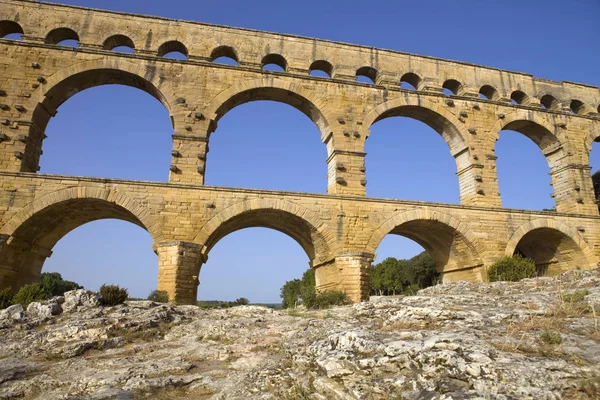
456,251
452,131
272,88
554,246
302,225
34,230
65,83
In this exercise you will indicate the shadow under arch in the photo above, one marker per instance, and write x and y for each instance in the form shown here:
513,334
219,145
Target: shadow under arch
554,246
35,229
455,250
64,84
273,89
302,225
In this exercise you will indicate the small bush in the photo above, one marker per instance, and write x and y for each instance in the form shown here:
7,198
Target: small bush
326,299
242,301
55,285
574,297
29,294
512,269
6,298
159,296
113,295
551,337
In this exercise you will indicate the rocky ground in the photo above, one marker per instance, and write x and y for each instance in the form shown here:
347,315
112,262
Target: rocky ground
535,339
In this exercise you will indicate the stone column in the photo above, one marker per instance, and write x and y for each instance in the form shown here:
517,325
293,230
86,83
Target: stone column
354,272
573,189
20,262
346,173
188,159
179,269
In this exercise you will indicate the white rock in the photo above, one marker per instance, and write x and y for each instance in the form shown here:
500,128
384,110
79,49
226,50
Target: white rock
45,309
80,298
12,313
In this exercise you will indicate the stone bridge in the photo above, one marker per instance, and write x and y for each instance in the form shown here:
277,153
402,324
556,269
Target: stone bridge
339,231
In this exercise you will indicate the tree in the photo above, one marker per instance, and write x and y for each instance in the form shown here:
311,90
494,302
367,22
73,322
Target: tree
290,293
54,285
242,301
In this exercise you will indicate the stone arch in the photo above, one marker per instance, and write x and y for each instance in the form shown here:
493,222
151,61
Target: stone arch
271,88
302,225
554,246
444,123
118,40
454,248
57,35
65,83
593,136
8,27
36,228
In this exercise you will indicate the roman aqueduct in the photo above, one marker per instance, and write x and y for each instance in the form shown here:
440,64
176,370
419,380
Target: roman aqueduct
340,230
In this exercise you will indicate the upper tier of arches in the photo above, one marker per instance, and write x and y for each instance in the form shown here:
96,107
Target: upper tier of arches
522,91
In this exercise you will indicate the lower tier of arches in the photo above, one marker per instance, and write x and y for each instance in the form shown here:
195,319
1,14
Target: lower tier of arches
339,235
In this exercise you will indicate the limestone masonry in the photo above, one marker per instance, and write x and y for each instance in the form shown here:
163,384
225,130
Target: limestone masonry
339,231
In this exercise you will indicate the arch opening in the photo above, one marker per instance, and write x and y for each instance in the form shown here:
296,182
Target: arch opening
274,62
455,256
366,75
173,49
257,136
410,81
224,55
594,156
452,87
549,102
63,37
577,107
321,68
519,97
406,145
41,235
488,92
523,169
97,145
10,30
119,44
552,251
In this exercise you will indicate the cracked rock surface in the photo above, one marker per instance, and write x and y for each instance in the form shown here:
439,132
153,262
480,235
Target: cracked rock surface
534,339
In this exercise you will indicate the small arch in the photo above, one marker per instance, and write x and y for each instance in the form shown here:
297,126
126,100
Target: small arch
577,107
224,55
173,49
274,62
489,92
554,246
366,75
550,102
62,36
519,97
410,81
10,30
453,86
119,43
321,68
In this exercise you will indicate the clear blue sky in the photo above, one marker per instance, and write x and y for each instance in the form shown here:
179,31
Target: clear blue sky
121,132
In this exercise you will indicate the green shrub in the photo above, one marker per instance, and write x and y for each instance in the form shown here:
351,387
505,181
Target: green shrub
113,295
326,299
574,297
29,294
6,298
512,269
551,337
55,285
242,301
159,296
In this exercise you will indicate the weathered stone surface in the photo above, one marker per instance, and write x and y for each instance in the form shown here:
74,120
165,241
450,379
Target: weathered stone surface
445,343
80,298
44,309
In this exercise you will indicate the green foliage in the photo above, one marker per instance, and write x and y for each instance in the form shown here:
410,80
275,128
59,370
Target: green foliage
6,298
392,276
159,296
551,337
242,301
113,295
54,284
29,294
299,290
574,297
326,299
512,269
